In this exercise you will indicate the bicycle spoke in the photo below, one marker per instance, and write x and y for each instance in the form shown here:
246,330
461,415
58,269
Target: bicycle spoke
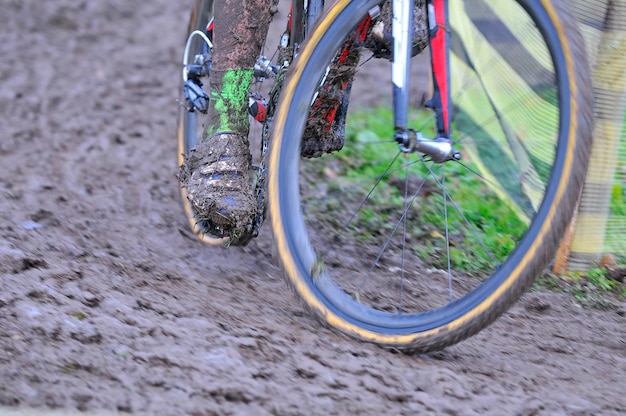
369,193
445,214
471,227
395,229
406,191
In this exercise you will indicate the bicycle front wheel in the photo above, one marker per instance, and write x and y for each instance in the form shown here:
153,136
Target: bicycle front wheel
395,249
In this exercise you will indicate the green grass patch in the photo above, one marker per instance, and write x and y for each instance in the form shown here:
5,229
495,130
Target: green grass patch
618,191
600,288
482,231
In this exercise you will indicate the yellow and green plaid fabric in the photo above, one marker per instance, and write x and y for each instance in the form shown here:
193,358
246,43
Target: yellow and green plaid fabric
601,222
503,85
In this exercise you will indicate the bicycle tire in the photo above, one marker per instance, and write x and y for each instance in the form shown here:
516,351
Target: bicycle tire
190,122
441,326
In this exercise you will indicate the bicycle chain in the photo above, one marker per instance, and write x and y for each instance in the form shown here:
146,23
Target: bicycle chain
260,189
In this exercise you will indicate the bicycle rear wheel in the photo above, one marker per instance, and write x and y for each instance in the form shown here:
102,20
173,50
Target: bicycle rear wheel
394,249
190,123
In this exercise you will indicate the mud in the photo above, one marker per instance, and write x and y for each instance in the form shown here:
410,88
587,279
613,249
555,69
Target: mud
382,44
108,304
325,128
239,36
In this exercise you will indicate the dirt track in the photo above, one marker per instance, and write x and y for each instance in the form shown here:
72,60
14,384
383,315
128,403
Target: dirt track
108,303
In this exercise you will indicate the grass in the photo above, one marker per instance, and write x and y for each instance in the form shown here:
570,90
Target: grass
617,205
597,288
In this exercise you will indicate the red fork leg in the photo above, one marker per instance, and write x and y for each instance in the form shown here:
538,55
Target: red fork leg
439,49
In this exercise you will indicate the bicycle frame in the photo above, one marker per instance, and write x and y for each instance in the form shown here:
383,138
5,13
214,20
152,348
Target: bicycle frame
303,16
311,239
439,149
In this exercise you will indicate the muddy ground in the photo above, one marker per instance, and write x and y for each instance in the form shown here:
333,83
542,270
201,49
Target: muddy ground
108,303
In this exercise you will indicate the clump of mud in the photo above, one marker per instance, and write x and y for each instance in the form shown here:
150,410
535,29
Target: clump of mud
216,176
325,128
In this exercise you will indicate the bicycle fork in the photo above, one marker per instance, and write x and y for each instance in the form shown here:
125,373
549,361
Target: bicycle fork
440,148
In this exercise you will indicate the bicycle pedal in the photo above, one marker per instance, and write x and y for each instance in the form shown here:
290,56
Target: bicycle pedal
196,71
196,97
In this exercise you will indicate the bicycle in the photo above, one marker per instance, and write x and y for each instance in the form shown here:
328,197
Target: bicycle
510,83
